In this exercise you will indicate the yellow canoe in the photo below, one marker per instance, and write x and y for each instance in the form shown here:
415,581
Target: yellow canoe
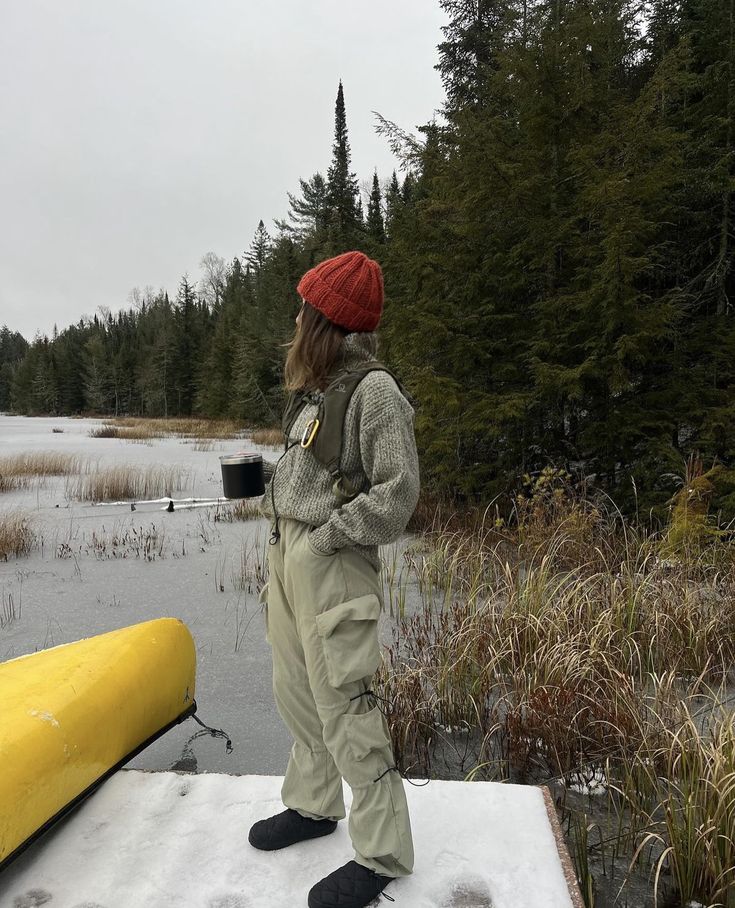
70,716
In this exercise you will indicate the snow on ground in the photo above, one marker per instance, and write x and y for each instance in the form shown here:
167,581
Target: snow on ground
166,840
592,781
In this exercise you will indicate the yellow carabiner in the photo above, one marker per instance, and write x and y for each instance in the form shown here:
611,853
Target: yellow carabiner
309,433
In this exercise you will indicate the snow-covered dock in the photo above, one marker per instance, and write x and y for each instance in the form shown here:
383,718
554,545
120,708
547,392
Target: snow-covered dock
166,839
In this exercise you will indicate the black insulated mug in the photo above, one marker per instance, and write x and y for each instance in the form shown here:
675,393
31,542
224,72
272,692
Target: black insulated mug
242,475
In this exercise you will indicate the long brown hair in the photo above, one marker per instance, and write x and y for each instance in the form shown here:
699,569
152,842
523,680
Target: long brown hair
313,351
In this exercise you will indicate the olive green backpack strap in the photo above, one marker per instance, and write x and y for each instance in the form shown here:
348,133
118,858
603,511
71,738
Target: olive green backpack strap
327,445
294,405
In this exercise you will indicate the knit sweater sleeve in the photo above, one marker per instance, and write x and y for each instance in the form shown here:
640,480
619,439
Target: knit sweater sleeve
388,452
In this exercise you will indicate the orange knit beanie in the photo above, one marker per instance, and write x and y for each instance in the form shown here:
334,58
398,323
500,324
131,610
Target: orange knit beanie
347,289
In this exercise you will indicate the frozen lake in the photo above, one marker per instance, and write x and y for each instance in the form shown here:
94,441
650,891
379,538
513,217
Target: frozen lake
89,575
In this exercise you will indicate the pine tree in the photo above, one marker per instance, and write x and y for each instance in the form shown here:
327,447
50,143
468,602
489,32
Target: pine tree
407,189
664,31
343,193
190,321
711,115
13,347
97,374
256,257
704,243
476,31
216,377
489,265
22,397
393,203
156,365
374,223
258,252
310,212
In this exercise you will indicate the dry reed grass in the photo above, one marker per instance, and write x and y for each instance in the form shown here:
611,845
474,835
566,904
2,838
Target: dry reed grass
131,428
680,789
267,436
105,431
23,467
10,610
119,542
10,483
17,537
127,482
241,509
559,641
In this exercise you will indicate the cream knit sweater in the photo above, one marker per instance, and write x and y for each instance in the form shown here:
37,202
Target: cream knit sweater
379,457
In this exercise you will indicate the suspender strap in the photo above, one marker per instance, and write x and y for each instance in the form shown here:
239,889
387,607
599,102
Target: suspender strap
327,444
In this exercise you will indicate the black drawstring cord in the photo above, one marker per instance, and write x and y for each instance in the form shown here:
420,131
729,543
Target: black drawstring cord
390,768
403,776
215,733
372,694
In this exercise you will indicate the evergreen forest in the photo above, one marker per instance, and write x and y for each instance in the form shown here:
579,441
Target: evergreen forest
557,245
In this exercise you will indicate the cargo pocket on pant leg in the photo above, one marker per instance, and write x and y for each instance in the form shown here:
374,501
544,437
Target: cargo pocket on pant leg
263,602
368,744
349,635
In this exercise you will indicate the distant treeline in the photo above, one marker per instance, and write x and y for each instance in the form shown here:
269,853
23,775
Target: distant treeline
558,256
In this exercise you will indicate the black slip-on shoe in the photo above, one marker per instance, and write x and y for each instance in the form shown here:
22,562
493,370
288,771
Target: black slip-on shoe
287,828
350,886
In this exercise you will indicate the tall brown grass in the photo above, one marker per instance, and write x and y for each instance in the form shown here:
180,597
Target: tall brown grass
23,467
241,509
202,431
267,436
559,642
17,536
131,428
10,483
680,788
127,482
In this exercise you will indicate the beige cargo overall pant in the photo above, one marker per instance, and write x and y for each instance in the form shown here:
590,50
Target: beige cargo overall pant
322,624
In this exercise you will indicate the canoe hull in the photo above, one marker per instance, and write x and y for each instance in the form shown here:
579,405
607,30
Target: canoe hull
73,714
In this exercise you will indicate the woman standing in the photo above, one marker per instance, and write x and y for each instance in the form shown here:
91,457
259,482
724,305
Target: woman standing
324,594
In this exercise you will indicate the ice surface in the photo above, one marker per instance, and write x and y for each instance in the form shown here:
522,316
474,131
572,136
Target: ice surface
88,592
159,840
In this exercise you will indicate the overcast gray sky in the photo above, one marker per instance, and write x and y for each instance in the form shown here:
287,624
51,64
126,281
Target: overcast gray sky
138,135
